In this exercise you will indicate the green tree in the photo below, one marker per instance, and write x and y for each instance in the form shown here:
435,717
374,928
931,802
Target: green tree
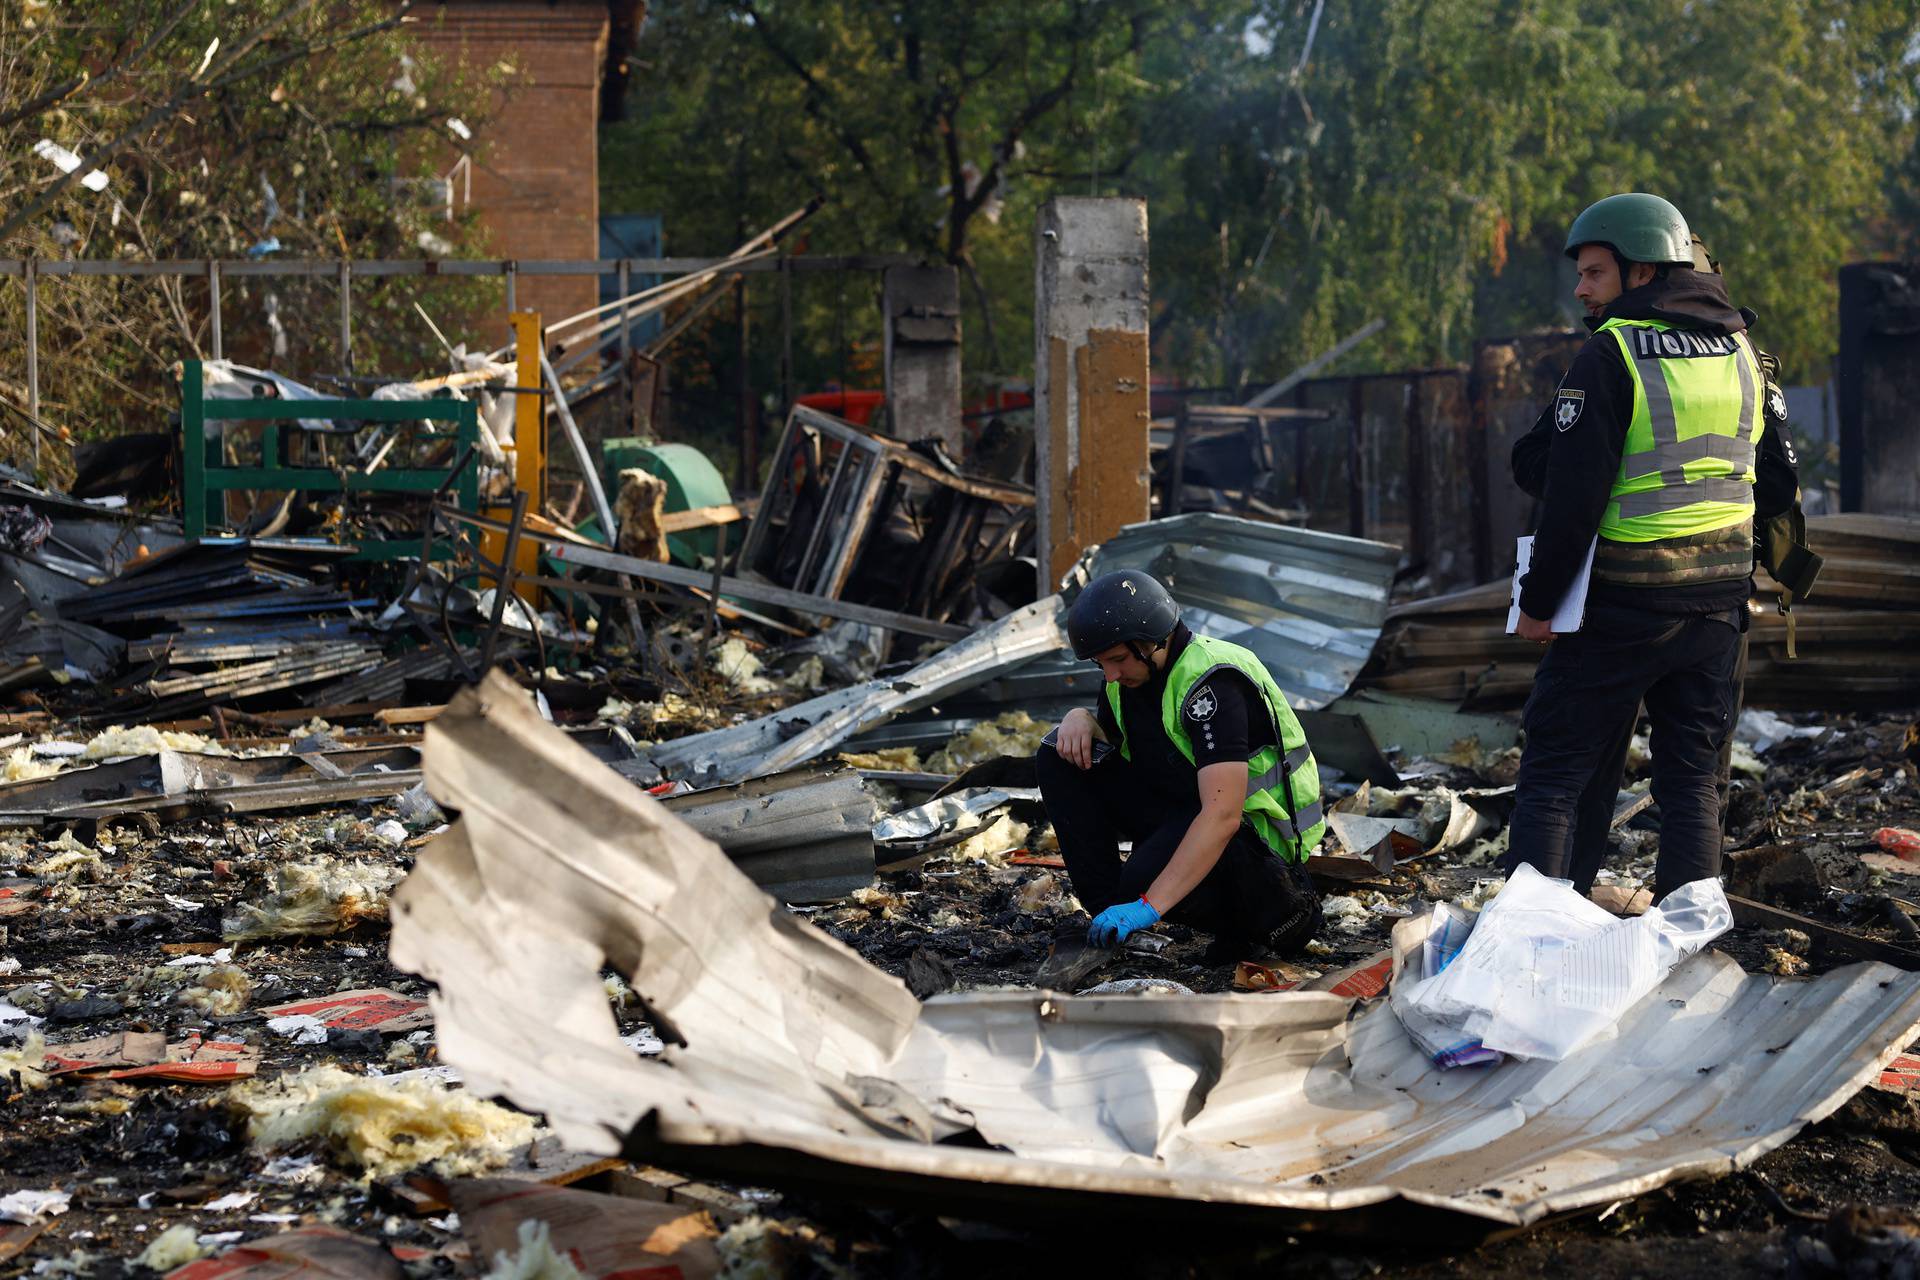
1308,166
285,132
1775,129
931,129
1332,164
1422,161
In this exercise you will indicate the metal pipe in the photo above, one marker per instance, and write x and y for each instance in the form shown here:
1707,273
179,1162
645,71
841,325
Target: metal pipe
33,356
503,583
346,316
213,306
744,419
196,268
713,592
626,331
601,506
786,333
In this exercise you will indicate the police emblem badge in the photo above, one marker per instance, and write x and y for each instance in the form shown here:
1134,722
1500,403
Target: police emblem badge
1567,406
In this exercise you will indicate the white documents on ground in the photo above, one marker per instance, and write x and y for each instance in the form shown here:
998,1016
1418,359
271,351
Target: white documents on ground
1573,608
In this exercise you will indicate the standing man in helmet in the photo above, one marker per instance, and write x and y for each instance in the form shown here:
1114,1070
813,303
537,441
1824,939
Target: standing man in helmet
1782,547
1652,444
1194,755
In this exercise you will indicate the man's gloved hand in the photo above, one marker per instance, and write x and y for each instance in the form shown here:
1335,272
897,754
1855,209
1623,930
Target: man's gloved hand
1114,925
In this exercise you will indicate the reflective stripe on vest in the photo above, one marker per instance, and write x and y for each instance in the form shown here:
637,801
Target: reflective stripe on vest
1670,454
1283,782
1666,521
1295,761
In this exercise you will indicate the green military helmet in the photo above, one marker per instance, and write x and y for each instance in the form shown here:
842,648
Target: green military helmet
1639,227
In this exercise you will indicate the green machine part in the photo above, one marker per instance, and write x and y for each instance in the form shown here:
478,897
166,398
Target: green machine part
692,482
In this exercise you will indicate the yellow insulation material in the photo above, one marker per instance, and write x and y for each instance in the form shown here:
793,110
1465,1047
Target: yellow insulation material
382,1126
1013,734
326,895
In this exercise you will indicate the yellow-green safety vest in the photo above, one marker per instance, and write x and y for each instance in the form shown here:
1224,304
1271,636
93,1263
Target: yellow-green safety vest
1681,508
1283,782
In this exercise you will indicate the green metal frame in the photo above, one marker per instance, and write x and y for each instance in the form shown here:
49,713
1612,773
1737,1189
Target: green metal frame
205,480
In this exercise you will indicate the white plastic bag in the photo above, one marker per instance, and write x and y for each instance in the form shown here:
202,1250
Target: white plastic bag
1545,971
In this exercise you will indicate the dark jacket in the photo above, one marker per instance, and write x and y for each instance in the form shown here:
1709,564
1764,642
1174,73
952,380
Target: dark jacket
1573,469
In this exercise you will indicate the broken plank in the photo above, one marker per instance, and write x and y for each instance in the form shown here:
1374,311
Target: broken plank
1628,804
320,764
1751,914
700,518
391,716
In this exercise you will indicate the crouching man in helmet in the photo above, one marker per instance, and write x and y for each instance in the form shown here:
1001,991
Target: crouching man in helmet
1193,755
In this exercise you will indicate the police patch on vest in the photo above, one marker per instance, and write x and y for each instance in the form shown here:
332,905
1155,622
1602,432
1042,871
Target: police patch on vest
1202,704
1567,406
1679,344
1776,402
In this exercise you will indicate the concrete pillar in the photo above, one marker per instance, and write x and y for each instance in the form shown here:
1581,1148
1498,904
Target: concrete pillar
1090,408
1878,382
922,306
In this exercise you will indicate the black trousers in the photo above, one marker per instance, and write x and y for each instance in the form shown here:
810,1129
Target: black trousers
1593,815
1250,896
1579,719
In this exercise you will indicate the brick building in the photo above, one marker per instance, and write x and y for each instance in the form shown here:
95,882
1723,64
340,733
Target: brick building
535,178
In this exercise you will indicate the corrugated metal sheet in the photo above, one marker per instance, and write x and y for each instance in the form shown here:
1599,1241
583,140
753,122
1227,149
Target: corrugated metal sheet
1309,604
806,729
805,835
787,1042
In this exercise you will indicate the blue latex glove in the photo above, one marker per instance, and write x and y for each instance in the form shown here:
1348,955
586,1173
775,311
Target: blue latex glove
1114,925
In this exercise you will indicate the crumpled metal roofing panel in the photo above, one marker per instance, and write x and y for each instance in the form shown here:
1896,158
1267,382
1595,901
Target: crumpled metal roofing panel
1310,604
806,729
786,1041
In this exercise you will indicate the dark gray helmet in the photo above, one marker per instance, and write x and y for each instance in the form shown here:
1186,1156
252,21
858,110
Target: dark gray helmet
1126,607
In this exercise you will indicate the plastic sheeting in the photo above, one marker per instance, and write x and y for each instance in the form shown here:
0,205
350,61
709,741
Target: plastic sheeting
787,1050
1543,971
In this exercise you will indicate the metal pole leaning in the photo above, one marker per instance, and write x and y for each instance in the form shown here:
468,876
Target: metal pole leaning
591,474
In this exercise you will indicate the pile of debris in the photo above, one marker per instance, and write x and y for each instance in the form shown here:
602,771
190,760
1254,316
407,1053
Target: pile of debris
200,993
335,957
1850,635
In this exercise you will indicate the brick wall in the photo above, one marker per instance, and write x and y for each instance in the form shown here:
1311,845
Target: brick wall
536,181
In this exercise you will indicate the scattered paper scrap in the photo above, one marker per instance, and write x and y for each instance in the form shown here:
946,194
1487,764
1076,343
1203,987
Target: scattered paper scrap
371,1009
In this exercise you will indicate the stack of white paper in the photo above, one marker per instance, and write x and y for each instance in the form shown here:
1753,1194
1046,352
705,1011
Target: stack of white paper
1572,610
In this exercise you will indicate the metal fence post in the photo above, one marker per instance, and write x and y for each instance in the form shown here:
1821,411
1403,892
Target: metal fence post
193,451
623,280
346,316
786,333
213,298
626,335
33,356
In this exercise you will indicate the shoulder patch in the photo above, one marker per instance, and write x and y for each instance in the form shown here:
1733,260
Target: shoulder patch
1776,402
1567,406
1201,704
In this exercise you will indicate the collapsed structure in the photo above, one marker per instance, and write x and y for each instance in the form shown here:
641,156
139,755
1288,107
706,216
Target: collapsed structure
703,798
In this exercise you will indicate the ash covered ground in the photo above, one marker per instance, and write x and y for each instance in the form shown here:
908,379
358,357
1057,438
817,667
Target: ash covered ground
189,930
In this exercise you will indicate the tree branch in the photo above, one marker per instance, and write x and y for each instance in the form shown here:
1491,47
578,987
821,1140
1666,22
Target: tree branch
323,46
196,86
817,93
59,93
